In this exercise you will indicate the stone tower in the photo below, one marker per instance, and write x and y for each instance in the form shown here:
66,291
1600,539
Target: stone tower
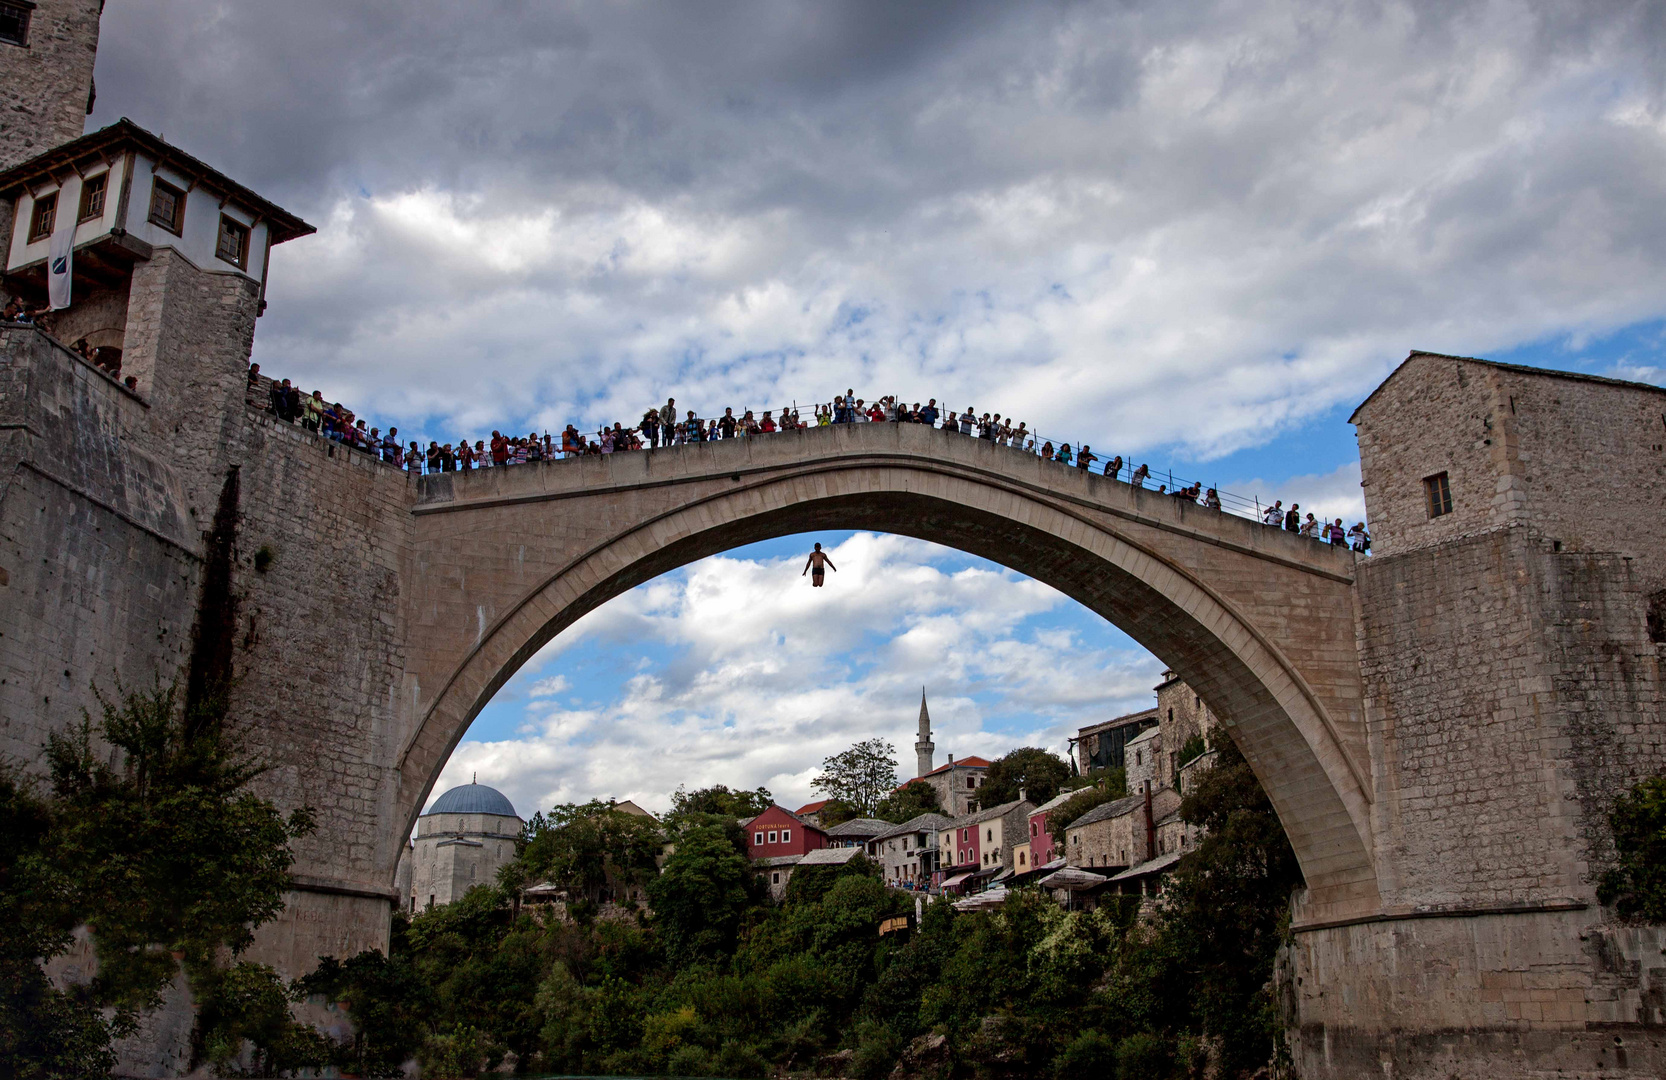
923,746
47,50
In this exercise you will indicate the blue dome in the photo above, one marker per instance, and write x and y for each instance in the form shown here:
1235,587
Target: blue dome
473,799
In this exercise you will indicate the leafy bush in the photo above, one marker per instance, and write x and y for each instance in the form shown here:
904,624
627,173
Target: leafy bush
1636,885
878,1046
1143,1056
1089,1056
162,848
1113,786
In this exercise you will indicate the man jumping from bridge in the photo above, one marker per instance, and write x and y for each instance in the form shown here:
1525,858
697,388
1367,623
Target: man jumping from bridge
817,565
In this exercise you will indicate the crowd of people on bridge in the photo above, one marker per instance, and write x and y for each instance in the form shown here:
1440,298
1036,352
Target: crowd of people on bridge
671,426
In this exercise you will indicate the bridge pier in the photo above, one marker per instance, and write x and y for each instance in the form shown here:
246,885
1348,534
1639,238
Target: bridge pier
1477,995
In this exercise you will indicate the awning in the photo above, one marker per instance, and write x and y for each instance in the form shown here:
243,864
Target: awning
956,880
1074,879
990,898
1153,866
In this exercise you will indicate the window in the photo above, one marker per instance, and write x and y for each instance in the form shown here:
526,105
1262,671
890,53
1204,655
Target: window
786,836
233,245
971,782
772,836
989,834
92,196
775,878
1022,860
757,838
45,217
1439,493
14,22
167,206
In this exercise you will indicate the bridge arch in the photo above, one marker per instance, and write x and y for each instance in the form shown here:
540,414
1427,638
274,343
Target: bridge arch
1260,624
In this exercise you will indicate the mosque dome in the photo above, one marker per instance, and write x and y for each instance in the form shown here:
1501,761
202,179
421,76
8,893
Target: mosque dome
473,799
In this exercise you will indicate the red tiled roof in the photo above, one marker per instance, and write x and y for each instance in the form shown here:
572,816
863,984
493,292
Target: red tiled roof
810,808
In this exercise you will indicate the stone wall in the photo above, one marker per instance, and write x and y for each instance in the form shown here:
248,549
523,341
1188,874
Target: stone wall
98,555
1580,459
1488,996
319,666
44,88
1512,693
1181,716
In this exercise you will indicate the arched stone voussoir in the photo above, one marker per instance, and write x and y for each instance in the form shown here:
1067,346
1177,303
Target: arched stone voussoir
1152,581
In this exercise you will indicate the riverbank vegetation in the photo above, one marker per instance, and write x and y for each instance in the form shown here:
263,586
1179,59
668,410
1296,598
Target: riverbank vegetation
718,981
145,839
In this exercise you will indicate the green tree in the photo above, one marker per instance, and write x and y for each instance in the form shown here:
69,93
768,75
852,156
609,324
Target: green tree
860,776
44,1031
908,802
837,812
719,800
586,848
160,847
809,884
1636,884
1225,909
701,895
1114,785
1036,772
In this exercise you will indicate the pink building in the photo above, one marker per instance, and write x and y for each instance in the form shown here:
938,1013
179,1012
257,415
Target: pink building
1042,848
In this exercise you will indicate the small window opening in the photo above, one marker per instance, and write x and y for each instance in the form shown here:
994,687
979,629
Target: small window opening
92,196
233,245
14,22
167,206
1657,617
1439,492
45,217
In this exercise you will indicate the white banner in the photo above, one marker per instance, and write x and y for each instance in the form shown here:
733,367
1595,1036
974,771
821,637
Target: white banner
60,261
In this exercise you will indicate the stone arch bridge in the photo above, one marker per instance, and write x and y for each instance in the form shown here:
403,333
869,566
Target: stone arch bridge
1442,727
1260,622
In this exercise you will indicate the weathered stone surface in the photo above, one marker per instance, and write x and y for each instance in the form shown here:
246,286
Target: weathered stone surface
45,87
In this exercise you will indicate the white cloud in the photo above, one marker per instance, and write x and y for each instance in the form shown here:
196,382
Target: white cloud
1138,225
767,676
1335,494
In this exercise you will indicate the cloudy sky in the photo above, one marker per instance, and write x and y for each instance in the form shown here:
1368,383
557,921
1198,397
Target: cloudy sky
1190,233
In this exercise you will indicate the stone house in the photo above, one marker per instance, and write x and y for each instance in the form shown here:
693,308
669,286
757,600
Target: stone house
1118,833
857,832
1181,717
956,784
810,813
144,223
909,853
1144,756
1101,745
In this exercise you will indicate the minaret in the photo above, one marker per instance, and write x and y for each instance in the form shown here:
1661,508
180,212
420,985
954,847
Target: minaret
923,746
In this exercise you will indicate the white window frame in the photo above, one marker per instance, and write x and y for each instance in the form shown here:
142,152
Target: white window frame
772,836
757,839
786,836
